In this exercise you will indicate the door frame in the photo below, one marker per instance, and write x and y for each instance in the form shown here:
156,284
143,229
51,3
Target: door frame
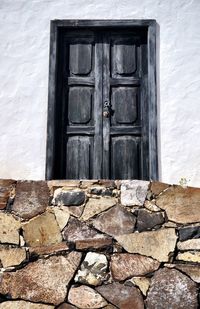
56,26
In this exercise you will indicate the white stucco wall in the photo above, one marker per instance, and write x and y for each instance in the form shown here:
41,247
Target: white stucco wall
24,60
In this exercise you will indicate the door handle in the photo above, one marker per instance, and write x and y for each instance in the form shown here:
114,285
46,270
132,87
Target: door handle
106,109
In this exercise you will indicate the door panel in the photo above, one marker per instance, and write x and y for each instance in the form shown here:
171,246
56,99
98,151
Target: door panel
80,62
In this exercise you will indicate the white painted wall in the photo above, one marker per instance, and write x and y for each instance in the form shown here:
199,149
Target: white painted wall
24,60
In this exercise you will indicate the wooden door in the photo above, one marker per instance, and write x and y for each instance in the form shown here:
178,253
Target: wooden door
101,113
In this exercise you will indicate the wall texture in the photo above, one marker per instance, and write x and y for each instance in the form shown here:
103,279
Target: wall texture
24,58
99,244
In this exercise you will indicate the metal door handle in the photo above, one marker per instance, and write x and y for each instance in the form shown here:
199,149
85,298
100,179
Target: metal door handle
106,111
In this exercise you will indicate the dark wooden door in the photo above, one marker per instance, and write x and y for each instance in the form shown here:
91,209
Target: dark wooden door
101,114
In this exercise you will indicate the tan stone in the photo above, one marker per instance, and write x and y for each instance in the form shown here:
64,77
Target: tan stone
47,250
156,244
125,265
62,216
150,205
182,205
133,192
21,304
96,206
190,244
9,231
43,281
55,184
171,289
74,210
157,187
42,230
85,297
66,306
193,271
93,243
142,283
11,256
7,190
189,256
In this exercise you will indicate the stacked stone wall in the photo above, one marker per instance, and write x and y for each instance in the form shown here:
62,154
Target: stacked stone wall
99,244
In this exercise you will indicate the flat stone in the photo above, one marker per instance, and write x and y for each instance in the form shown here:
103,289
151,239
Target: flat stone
189,232
193,271
171,289
141,282
190,244
147,220
150,205
42,231
55,184
182,205
32,198
189,256
68,198
77,230
74,210
7,189
62,216
9,231
156,244
115,221
133,192
21,304
124,297
95,206
95,243
85,297
48,250
93,269
66,306
11,256
44,281
125,265
157,187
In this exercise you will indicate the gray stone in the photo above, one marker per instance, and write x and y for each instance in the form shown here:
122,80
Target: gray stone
32,198
133,192
186,233
124,297
115,221
171,289
43,281
68,198
147,220
77,230
93,269
85,297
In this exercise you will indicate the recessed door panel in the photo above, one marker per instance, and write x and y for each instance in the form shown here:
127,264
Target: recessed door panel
80,58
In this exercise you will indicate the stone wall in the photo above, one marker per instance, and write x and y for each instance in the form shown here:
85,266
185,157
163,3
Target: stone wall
99,244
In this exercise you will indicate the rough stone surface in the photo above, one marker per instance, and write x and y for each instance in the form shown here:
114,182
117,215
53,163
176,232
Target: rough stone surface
157,187
124,297
147,220
66,306
77,230
43,280
42,231
157,244
115,221
125,265
141,282
171,289
11,256
62,217
68,198
9,231
182,205
85,297
7,189
190,244
93,269
48,250
189,256
150,205
193,271
95,206
95,243
21,304
189,232
32,198
133,192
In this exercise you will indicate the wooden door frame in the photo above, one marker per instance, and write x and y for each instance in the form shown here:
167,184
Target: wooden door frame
58,25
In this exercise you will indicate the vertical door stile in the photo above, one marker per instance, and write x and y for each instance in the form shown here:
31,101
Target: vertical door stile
106,101
97,162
